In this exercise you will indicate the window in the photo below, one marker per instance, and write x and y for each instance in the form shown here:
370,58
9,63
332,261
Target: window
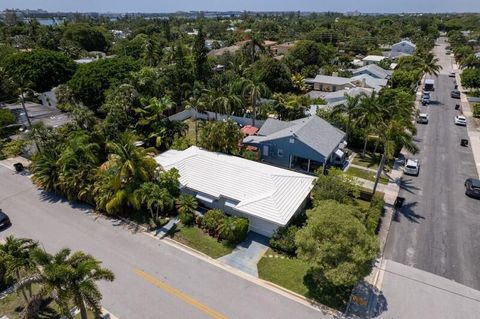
280,152
291,141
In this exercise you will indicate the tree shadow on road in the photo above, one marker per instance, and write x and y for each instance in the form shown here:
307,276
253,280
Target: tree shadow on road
407,211
366,301
407,185
54,198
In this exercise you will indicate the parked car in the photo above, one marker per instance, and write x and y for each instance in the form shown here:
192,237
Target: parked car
451,74
422,118
4,220
455,94
460,120
412,167
472,187
448,52
426,98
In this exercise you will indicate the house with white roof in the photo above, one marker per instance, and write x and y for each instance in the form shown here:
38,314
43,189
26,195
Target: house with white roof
404,46
267,195
328,83
373,59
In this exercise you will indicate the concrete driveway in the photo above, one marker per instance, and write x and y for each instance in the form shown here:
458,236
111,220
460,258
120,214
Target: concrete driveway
247,254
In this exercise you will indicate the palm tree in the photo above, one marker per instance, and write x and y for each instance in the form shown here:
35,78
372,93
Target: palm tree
186,204
16,252
350,108
153,116
367,115
226,102
393,134
131,166
253,92
254,44
149,53
45,170
85,272
430,64
67,277
155,198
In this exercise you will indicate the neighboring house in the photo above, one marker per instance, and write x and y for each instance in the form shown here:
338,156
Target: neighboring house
329,83
404,46
339,97
373,59
367,81
268,196
304,144
45,114
391,55
282,48
374,71
231,50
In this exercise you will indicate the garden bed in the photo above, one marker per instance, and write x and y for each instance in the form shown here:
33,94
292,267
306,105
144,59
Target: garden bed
197,239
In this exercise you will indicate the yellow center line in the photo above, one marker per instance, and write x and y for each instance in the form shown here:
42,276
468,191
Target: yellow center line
180,295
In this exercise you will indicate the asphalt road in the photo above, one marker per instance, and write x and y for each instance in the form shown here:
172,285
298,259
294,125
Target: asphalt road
438,228
153,279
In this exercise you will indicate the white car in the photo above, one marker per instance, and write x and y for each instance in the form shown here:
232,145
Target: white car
460,120
451,74
412,167
422,118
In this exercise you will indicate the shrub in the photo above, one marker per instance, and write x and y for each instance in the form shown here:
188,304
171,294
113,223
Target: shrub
212,220
476,110
199,220
373,215
233,229
187,218
284,240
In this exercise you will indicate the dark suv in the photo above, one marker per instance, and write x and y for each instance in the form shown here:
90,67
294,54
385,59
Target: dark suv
455,94
4,220
472,187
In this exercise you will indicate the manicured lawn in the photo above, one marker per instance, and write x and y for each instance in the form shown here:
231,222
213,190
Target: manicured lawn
368,175
199,240
14,301
286,272
191,130
370,161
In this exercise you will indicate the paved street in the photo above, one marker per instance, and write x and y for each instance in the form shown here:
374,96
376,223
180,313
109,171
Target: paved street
438,228
153,279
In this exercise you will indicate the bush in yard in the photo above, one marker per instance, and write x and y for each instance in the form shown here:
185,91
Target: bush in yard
284,240
476,110
233,229
199,220
373,214
212,220
187,218
336,185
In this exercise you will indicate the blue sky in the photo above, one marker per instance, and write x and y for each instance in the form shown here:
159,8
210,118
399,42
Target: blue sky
253,5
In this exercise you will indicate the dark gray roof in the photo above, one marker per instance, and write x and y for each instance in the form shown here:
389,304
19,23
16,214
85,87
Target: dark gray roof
374,69
312,131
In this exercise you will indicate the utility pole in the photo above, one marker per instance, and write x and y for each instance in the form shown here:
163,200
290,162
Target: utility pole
28,119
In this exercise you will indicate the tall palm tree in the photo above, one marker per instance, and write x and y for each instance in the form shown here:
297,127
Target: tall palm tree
367,115
393,134
350,108
253,91
46,170
129,167
253,45
16,253
85,271
430,64
67,277
226,102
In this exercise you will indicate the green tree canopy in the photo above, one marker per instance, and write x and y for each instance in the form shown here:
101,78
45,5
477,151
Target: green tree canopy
274,73
471,78
335,185
39,69
91,80
337,243
221,137
89,38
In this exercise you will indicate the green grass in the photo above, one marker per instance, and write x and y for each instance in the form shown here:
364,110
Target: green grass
191,131
368,175
197,239
14,301
287,272
370,161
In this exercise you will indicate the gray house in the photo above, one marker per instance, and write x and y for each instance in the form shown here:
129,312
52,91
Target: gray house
305,144
373,70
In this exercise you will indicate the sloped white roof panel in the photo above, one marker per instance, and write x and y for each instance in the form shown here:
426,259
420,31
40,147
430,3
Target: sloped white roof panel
261,190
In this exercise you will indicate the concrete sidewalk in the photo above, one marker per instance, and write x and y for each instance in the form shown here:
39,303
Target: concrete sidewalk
473,132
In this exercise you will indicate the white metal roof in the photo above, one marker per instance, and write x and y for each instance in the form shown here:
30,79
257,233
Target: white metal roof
261,190
376,58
